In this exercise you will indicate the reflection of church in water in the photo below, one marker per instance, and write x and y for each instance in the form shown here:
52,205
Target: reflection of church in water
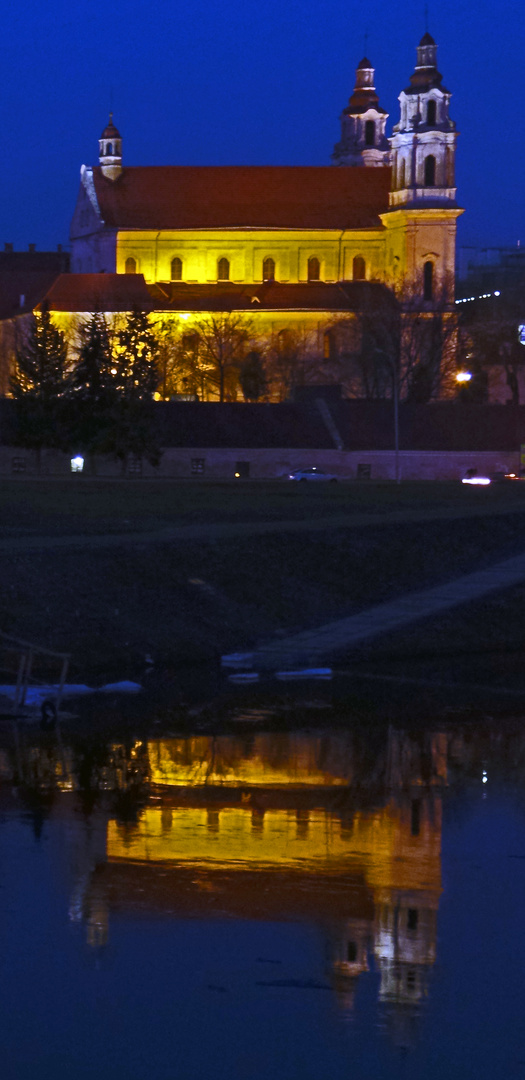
302,827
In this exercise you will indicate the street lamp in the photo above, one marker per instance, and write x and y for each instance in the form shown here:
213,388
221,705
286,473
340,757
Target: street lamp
463,376
394,371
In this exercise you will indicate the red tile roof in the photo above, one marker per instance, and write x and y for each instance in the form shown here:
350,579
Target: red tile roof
98,292
269,296
239,196
124,292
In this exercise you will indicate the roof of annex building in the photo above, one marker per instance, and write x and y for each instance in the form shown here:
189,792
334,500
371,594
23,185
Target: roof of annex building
125,292
270,296
98,292
243,197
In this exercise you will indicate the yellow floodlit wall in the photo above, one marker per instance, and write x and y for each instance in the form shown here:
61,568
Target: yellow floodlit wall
200,251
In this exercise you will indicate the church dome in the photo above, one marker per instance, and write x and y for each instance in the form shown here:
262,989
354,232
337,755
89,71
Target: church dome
110,132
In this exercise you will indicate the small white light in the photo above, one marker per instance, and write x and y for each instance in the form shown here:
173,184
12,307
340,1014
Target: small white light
463,376
476,481
77,464
497,293
237,474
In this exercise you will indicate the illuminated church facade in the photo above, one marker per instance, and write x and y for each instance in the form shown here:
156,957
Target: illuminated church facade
284,243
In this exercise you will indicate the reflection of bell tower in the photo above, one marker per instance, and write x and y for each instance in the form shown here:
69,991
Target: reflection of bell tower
363,139
349,958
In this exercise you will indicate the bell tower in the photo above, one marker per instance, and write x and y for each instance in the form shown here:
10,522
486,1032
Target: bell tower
110,151
423,212
363,139
424,141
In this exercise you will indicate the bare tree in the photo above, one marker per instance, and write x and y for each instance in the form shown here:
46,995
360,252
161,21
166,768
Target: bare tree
222,343
410,342
293,358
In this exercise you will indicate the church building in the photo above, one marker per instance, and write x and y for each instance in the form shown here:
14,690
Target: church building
293,246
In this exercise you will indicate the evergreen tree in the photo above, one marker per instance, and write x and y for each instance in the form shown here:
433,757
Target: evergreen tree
137,375
39,385
136,380
92,388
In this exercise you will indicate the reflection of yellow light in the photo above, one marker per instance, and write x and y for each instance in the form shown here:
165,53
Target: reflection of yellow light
273,762
234,838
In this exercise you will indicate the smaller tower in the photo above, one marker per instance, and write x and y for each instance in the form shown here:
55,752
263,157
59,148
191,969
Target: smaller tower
424,141
110,151
363,140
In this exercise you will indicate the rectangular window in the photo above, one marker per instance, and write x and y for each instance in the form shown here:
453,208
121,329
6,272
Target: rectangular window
18,464
412,918
198,465
134,466
415,822
364,472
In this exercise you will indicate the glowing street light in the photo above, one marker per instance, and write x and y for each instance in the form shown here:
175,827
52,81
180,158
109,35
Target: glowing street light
463,376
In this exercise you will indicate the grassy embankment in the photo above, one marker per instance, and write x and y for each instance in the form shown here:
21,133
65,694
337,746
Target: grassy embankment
185,600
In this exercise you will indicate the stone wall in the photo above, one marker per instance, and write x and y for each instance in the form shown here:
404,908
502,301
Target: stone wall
222,464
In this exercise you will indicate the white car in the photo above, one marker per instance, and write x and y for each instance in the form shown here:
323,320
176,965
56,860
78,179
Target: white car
314,474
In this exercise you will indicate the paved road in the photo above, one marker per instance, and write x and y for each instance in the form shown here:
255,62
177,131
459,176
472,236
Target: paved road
311,646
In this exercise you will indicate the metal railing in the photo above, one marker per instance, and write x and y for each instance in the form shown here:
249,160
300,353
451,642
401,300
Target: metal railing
24,654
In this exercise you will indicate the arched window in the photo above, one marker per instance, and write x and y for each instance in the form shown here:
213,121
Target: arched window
329,345
402,173
370,132
284,341
314,269
430,171
109,148
190,342
431,111
359,268
223,270
268,270
428,280
176,269
131,266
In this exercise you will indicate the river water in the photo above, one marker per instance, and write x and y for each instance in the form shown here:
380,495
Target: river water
310,904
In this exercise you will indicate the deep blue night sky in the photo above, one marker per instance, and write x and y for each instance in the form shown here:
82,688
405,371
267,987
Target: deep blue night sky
245,82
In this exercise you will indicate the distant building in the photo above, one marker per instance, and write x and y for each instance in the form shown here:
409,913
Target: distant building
25,277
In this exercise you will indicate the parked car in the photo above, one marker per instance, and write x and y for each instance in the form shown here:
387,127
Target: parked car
313,473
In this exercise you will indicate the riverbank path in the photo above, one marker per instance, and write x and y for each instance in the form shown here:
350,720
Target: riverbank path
311,646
